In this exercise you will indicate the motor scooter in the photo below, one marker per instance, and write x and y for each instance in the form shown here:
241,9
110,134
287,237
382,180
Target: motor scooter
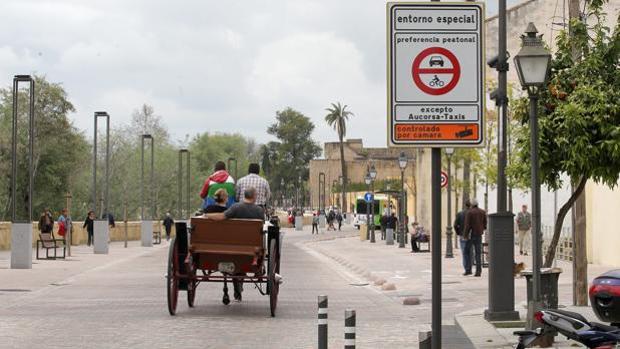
604,299
572,325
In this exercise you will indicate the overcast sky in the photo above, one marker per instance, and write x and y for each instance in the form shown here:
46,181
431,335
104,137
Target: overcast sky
205,65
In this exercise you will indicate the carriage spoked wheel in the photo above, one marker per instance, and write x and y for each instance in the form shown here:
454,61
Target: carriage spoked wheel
272,283
172,281
191,285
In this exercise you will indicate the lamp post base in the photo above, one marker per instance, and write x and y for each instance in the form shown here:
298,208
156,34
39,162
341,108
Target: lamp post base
449,253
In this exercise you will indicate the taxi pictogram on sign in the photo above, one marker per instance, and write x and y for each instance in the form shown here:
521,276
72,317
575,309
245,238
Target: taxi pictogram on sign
436,71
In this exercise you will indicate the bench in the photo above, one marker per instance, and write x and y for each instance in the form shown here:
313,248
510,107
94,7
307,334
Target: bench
48,242
156,237
238,241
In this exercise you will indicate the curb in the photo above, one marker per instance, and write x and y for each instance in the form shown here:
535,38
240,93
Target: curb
482,334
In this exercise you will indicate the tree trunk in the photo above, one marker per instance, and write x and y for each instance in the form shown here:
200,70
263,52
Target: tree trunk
580,253
343,165
550,255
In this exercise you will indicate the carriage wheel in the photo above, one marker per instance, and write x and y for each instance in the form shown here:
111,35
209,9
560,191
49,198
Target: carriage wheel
272,283
191,287
172,282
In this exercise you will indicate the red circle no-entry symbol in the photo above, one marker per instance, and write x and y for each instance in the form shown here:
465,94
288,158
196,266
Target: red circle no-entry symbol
426,79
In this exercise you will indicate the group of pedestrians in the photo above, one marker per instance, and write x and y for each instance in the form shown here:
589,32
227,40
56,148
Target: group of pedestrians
470,225
388,221
46,223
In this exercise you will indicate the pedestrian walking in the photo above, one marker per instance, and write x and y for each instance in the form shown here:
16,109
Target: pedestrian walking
339,220
459,225
524,224
168,222
46,222
62,223
383,223
474,227
331,216
315,223
89,224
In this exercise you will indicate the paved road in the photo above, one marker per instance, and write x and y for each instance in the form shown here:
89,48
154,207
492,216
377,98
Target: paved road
119,301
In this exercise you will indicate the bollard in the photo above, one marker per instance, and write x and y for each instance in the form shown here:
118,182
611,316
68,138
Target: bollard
389,236
322,322
349,329
424,338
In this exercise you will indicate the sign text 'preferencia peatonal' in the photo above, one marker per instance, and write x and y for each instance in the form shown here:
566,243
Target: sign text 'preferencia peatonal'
436,76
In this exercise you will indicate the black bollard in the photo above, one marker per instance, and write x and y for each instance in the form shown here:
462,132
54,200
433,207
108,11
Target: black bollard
322,322
349,329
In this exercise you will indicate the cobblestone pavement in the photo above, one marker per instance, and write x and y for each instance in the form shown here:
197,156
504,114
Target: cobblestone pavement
119,301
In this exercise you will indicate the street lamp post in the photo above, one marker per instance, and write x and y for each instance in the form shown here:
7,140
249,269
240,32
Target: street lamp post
367,180
533,64
180,183
402,163
231,159
146,232
373,176
449,254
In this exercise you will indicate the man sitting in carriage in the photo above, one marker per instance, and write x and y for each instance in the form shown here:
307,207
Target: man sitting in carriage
218,180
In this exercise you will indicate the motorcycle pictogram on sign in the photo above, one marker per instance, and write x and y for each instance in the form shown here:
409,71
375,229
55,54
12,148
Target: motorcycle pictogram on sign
435,80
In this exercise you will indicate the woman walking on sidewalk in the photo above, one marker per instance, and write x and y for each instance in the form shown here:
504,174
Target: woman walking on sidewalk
89,223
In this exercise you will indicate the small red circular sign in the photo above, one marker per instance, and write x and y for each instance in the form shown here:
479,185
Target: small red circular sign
433,85
444,179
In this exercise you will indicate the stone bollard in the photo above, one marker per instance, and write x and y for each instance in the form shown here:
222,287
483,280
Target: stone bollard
389,236
101,236
299,223
322,316
21,246
349,329
424,338
146,233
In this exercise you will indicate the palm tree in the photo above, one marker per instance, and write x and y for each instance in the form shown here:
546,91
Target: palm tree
337,118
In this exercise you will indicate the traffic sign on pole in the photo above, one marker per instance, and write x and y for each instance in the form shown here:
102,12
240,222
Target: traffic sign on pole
444,179
368,197
435,74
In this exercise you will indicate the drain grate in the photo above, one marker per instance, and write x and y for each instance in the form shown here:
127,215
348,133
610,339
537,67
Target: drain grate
13,290
451,282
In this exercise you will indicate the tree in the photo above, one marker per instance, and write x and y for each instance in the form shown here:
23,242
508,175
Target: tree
579,114
337,117
288,158
59,148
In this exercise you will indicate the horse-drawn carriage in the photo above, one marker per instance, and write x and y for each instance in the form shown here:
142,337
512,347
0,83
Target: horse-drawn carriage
239,250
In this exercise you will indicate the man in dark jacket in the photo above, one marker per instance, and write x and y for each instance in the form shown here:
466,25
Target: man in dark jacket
474,227
168,222
46,222
459,224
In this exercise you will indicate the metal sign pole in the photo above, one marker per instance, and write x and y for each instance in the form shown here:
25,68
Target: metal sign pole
101,228
436,245
21,229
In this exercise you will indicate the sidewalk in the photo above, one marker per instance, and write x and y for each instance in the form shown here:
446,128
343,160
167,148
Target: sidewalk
409,276
19,285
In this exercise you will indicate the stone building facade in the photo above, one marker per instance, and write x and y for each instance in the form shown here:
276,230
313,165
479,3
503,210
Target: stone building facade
357,159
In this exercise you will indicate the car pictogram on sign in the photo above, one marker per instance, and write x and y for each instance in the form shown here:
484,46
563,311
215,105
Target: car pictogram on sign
436,60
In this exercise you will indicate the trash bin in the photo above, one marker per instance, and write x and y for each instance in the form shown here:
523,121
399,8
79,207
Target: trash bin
605,296
548,286
363,232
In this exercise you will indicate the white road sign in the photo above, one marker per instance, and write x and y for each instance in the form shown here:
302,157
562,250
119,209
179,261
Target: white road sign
435,74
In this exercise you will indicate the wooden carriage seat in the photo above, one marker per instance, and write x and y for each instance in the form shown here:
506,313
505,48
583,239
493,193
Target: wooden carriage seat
234,240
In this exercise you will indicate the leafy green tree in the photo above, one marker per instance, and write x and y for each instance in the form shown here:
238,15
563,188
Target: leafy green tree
579,115
288,158
59,151
337,117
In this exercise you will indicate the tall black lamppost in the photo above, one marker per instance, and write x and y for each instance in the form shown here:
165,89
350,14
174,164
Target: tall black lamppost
367,180
402,163
449,254
373,176
533,64
282,192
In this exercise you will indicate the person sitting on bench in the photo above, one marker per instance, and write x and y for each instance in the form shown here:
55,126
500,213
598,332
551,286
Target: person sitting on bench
247,209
